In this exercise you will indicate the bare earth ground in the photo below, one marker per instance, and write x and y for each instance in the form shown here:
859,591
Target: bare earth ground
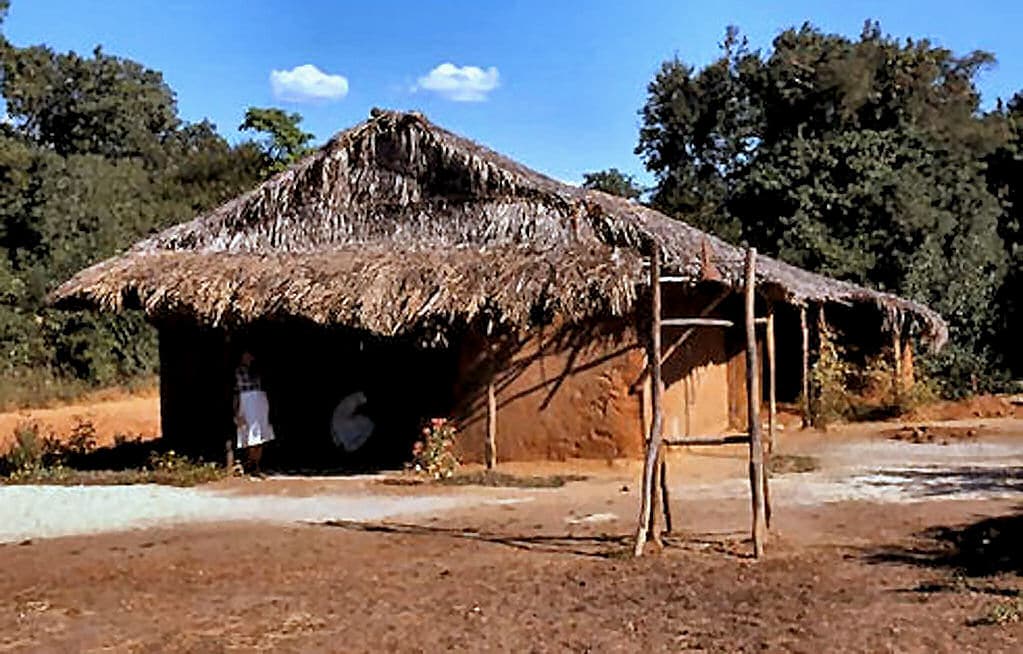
891,545
111,413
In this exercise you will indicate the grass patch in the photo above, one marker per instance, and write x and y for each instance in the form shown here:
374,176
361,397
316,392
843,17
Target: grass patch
1008,612
489,478
505,480
37,458
195,474
781,464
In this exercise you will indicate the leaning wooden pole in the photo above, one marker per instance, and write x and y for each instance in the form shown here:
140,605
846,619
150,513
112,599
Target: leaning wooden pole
647,521
806,365
756,446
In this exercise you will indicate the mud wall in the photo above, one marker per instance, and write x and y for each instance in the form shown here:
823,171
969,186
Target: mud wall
564,394
560,393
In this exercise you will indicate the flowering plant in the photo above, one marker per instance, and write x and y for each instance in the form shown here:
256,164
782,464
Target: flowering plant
434,455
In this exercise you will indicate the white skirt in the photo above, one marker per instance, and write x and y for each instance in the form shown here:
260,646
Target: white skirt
254,419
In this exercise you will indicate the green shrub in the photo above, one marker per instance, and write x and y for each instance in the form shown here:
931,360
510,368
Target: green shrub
829,396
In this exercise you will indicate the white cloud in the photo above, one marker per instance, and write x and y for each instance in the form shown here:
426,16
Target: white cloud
461,84
307,83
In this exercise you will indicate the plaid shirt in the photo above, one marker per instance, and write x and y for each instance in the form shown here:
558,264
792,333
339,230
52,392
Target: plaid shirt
246,379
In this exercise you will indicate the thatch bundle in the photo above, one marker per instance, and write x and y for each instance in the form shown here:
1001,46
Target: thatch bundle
397,223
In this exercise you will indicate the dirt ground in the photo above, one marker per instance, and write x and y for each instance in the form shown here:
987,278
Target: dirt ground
931,568
883,583
111,413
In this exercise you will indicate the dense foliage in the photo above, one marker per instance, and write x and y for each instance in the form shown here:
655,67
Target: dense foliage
868,160
93,156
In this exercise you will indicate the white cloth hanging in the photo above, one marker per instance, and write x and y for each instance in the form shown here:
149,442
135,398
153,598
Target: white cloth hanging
253,419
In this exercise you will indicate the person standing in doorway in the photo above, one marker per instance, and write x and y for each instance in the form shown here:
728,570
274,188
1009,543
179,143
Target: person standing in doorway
252,412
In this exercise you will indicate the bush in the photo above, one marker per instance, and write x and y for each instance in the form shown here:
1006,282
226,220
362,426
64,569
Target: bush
434,455
829,397
37,459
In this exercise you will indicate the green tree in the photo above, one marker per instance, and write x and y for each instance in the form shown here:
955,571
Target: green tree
284,141
1005,176
93,158
102,104
613,181
863,159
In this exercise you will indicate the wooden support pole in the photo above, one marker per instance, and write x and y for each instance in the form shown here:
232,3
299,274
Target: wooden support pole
665,505
756,446
491,445
897,360
806,365
646,521
772,413
772,378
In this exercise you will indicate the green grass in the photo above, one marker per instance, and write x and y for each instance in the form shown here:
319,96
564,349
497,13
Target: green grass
780,464
505,480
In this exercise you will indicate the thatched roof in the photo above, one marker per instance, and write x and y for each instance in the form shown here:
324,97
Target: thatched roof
397,223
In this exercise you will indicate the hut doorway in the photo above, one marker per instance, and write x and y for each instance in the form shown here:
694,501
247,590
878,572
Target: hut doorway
306,370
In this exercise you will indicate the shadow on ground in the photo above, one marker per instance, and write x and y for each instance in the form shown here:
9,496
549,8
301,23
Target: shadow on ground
596,546
991,546
951,481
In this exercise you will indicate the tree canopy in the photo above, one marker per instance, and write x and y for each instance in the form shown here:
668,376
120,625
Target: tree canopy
284,141
92,157
866,159
613,181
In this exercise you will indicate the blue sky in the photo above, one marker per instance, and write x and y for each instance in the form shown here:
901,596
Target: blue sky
556,85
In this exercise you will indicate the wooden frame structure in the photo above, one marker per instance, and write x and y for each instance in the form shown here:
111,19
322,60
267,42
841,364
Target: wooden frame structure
654,482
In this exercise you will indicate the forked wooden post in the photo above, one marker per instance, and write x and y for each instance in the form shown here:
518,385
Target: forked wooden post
806,365
756,446
647,521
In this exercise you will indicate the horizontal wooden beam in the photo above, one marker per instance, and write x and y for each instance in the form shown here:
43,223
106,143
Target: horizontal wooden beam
697,322
726,439
704,322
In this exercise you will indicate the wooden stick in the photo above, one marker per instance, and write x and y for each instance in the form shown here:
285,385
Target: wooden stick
665,505
491,444
772,396
653,531
687,441
806,365
756,446
697,322
654,440
897,353
772,414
